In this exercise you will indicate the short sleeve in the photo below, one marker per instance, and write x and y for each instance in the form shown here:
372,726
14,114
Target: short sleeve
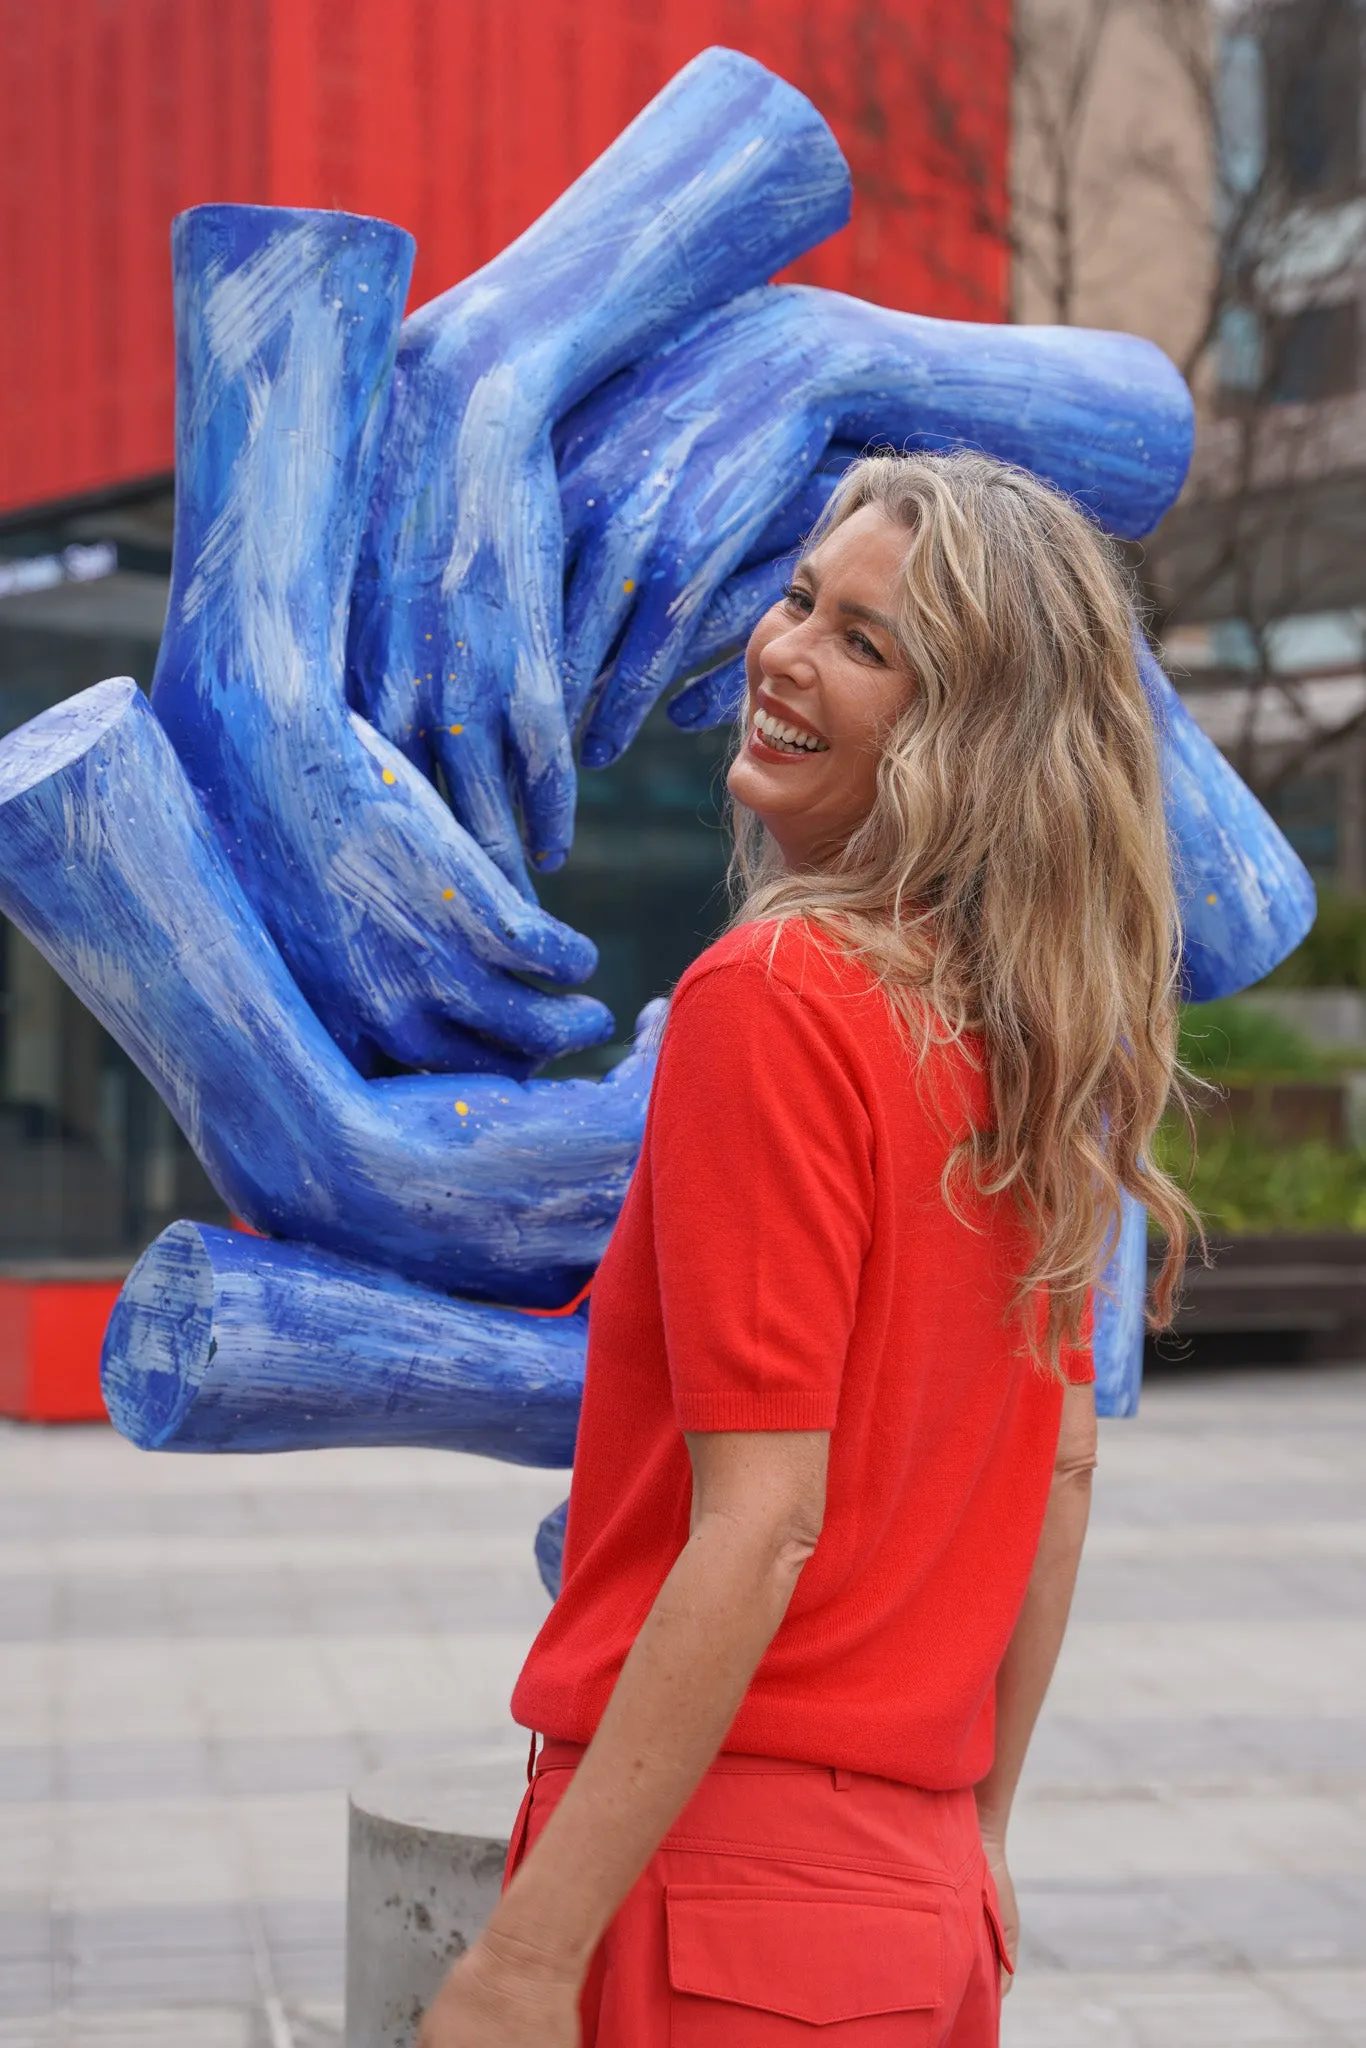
761,1179
1077,1361
1078,1365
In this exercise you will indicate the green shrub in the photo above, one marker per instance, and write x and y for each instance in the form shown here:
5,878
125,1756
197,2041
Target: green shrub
1334,953
1228,1038
1241,1184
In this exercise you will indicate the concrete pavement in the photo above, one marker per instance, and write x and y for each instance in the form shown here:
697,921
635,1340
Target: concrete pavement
198,1655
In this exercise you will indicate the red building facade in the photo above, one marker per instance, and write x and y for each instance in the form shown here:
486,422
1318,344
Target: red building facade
461,119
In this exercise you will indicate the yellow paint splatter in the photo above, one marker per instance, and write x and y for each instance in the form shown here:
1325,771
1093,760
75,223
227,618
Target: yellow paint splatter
455,728
389,775
448,895
426,636
629,585
462,1109
1211,898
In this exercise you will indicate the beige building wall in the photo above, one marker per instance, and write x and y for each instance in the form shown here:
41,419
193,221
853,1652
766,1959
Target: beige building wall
1112,170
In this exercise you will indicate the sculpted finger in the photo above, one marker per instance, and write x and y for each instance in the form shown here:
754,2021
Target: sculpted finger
472,761
660,629
791,524
712,700
443,889
542,762
531,1026
599,601
633,1075
736,610
540,753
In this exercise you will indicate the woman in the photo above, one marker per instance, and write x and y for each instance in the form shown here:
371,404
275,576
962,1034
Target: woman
833,1468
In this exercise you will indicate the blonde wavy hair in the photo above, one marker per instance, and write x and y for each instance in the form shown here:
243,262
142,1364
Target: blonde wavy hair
1012,882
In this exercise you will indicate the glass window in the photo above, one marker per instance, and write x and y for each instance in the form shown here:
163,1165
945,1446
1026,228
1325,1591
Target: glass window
646,877
1316,355
1241,113
91,1164
1240,350
1313,70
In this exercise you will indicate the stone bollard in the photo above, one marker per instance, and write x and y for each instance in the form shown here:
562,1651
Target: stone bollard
424,1867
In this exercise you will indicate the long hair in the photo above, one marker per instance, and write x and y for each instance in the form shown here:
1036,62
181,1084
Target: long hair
1011,886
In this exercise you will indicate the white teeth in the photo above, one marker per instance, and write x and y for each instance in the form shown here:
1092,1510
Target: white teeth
780,735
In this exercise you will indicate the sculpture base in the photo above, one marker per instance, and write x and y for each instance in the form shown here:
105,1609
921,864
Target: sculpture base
425,1866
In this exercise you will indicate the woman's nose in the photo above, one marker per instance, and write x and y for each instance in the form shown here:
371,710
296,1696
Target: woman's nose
789,655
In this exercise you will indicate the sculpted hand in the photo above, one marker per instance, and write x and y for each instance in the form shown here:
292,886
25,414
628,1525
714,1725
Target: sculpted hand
669,476
476,1184
732,416
402,935
456,621
499,1996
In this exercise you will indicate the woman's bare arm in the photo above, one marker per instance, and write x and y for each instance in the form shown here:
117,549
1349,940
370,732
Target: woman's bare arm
758,1502
1027,1666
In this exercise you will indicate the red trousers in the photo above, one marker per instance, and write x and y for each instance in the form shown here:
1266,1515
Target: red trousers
787,1898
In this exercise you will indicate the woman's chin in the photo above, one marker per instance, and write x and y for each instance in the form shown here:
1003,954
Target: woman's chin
762,786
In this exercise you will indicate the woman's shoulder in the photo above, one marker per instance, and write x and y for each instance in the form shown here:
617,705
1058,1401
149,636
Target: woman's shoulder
788,954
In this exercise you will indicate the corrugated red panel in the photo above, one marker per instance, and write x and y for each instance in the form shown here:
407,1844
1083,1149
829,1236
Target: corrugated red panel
460,118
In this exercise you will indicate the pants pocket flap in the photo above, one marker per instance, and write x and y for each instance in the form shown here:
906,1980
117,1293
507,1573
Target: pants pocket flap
818,1956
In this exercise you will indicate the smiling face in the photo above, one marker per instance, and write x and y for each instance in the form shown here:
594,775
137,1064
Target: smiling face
827,681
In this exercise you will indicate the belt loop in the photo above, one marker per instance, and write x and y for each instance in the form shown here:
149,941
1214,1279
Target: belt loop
531,1758
841,1779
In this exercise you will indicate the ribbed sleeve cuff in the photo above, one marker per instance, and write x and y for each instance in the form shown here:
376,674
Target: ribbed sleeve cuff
1078,1366
703,1412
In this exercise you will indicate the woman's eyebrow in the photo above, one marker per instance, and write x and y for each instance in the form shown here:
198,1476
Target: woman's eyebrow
862,611
854,611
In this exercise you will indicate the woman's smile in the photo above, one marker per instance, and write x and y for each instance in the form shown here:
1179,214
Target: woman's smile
778,733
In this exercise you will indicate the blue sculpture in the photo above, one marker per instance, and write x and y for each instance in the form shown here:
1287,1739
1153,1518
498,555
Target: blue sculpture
220,1342
496,1187
400,932
456,645
671,472
381,577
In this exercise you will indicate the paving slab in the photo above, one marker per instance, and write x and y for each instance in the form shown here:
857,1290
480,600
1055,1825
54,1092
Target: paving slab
197,1656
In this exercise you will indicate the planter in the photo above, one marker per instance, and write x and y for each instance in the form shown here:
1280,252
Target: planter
52,1321
1310,1286
1284,1112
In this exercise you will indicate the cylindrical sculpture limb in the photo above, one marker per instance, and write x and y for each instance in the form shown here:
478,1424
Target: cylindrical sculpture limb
1120,1303
109,865
1246,896
221,1341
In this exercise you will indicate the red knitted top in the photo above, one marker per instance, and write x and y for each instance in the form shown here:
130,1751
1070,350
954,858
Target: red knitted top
785,1259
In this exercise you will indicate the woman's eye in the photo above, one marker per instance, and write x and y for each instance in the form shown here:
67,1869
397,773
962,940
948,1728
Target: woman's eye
796,597
865,646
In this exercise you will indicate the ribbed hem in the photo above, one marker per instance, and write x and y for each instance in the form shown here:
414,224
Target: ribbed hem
704,1412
